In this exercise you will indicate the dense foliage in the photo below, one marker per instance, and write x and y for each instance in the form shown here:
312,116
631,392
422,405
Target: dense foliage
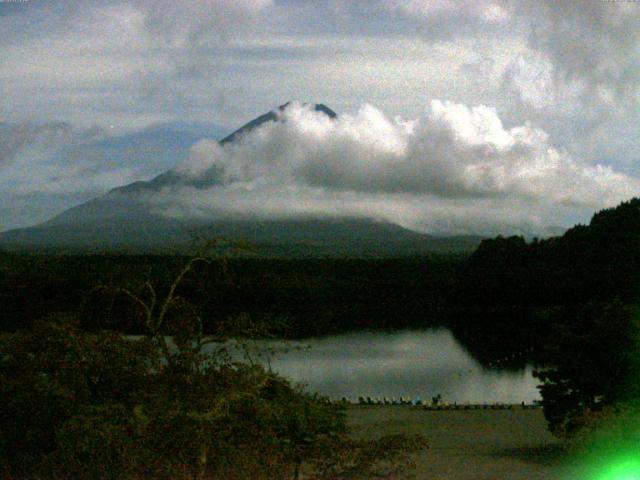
514,292
80,404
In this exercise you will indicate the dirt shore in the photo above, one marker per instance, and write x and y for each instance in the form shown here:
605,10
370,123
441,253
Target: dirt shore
471,444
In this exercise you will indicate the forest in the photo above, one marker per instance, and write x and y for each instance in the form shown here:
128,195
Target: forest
312,296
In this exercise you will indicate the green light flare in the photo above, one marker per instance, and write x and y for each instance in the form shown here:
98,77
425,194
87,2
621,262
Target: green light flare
621,469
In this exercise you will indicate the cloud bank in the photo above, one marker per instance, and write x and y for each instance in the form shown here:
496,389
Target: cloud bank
457,169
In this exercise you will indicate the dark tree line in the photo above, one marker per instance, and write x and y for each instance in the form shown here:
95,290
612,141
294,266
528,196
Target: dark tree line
533,282
314,296
571,300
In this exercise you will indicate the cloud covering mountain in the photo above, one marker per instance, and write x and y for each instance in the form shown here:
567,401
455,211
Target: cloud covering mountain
457,169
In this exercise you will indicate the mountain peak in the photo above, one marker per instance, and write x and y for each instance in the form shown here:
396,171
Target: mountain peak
273,116
318,107
170,177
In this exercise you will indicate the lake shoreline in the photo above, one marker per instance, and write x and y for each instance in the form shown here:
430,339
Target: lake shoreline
442,407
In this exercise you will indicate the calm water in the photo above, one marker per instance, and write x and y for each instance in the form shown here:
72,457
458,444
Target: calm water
409,363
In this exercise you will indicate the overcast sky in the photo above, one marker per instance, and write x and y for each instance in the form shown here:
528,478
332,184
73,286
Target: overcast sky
455,115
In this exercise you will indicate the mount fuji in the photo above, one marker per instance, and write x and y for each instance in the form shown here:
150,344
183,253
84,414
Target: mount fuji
122,220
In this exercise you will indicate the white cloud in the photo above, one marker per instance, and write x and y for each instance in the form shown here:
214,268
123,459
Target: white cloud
456,168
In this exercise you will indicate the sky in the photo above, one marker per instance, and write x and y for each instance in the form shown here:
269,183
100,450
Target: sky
454,116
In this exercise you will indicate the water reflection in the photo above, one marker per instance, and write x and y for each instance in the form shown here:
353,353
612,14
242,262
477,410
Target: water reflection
407,363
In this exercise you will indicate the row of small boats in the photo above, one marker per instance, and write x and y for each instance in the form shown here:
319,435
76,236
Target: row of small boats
437,404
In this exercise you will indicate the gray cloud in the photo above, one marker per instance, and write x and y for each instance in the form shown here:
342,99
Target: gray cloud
581,67
30,183
199,22
430,20
591,42
195,35
31,143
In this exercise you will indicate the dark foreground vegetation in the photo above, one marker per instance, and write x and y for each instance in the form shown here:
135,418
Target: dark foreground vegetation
86,405
74,392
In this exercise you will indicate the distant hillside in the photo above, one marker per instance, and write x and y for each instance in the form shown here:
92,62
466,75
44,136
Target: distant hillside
291,238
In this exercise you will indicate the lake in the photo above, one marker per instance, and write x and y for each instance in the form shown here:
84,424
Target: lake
408,363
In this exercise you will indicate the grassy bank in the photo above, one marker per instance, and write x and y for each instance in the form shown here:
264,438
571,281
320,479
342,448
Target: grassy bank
471,444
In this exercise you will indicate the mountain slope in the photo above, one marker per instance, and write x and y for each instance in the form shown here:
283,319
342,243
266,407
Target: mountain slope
210,178
122,219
